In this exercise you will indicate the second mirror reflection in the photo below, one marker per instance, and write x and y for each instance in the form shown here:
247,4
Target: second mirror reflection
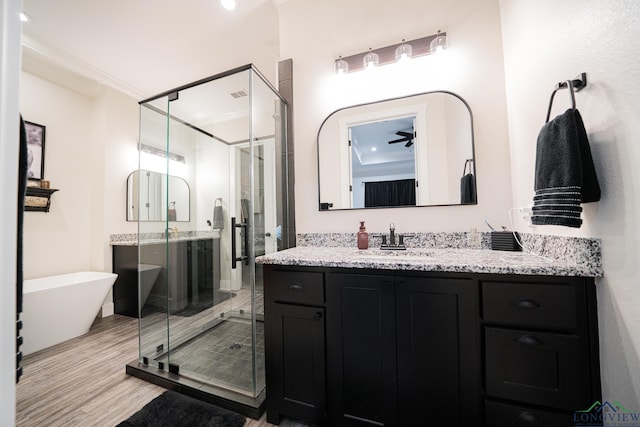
153,196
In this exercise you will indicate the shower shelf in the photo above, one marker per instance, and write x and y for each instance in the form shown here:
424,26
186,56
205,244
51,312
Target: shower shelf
38,199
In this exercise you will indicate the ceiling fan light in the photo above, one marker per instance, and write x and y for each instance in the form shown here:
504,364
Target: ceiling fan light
439,43
403,52
370,60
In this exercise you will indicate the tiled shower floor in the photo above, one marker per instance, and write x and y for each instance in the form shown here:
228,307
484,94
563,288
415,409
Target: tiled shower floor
222,355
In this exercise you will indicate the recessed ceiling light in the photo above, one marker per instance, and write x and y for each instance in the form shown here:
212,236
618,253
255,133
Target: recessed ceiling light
228,4
24,17
374,149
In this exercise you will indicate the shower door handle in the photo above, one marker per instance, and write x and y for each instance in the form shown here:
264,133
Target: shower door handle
244,257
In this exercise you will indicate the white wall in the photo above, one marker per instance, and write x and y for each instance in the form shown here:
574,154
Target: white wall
119,120
314,34
58,242
90,148
547,41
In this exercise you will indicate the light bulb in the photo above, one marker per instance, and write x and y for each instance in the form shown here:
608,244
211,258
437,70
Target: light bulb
439,43
228,4
403,52
341,66
370,60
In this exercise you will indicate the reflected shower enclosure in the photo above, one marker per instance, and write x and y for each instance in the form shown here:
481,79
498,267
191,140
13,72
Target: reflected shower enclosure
199,288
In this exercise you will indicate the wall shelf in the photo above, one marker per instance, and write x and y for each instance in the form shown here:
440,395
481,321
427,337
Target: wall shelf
38,199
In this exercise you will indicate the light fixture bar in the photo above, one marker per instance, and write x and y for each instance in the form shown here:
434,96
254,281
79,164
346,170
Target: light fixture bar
161,153
387,54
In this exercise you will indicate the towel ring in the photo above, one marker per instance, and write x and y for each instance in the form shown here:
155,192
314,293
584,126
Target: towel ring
569,84
467,162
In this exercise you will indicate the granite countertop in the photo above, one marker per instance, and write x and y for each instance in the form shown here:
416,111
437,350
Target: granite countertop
131,239
432,259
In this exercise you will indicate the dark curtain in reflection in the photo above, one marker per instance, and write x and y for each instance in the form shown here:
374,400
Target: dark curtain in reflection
400,192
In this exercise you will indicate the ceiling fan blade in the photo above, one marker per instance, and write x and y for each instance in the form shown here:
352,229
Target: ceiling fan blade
405,134
409,144
399,140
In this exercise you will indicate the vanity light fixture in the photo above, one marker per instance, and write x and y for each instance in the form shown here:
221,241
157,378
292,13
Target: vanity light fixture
371,59
439,43
161,153
403,52
341,66
391,54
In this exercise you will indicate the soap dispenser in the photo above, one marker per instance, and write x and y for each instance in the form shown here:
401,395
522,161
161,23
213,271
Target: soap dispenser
363,237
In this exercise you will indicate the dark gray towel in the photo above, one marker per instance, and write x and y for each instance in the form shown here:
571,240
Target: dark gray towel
590,186
565,175
468,189
218,217
23,168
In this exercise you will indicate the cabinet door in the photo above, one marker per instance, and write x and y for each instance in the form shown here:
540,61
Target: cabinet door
539,368
295,357
361,349
125,288
439,367
498,414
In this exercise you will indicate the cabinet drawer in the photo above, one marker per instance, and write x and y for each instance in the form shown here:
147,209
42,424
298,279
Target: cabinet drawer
503,415
529,304
298,287
538,368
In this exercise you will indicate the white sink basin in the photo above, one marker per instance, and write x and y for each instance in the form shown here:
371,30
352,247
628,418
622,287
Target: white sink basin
393,254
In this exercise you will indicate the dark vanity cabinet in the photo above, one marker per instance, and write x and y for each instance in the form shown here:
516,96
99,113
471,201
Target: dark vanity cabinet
438,347
361,349
194,270
402,348
541,350
295,345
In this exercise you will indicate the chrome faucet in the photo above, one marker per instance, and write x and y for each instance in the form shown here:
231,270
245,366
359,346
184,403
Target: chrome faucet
392,245
392,234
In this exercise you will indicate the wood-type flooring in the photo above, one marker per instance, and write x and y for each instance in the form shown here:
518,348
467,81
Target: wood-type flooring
82,382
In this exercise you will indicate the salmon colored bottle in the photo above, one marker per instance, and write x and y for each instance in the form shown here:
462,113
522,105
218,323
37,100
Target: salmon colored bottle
363,237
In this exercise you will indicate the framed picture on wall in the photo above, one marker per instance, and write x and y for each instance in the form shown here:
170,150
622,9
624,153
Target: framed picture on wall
35,148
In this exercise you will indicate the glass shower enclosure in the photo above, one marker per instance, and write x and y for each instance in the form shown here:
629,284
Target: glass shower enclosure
199,288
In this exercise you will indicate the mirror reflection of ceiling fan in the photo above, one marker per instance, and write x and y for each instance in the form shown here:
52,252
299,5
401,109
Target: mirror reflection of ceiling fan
406,137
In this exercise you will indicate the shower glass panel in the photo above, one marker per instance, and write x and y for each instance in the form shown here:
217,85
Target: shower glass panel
203,316
153,245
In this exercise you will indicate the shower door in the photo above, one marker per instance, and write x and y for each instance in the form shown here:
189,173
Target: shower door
233,155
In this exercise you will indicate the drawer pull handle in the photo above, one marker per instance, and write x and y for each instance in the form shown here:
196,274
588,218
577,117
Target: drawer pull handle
526,303
529,340
296,287
529,418
318,315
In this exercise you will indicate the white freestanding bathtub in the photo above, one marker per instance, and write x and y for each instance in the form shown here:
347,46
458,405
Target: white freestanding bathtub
58,308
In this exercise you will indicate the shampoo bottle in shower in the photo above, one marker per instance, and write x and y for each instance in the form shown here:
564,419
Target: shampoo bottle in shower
363,237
